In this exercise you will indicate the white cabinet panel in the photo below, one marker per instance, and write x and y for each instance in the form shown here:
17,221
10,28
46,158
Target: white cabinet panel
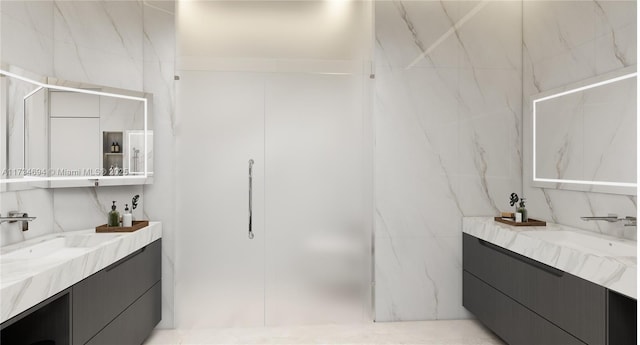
75,144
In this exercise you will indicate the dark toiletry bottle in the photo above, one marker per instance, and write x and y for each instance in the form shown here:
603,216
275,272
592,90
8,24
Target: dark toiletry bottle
523,210
114,216
117,147
113,147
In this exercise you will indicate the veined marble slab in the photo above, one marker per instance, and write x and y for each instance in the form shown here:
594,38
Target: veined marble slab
617,273
25,282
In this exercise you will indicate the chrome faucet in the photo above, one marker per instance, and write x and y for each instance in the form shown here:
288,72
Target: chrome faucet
15,216
612,218
631,221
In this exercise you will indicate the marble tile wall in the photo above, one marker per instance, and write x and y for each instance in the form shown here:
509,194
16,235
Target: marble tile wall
26,29
124,44
565,42
159,60
100,42
447,118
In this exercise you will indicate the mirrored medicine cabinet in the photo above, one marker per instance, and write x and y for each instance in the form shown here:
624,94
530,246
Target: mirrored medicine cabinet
57,133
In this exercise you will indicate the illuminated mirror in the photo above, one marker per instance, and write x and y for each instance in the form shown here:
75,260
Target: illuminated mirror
584,135
67,134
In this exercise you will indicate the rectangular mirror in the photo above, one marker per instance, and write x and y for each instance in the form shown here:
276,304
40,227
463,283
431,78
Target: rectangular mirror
68,134
584,135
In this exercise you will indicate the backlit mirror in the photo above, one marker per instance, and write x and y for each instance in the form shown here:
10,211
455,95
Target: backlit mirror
584,135
67,134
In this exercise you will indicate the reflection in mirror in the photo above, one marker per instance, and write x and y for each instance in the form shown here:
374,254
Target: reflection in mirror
134,157
584,137
76,134
15,98
35,145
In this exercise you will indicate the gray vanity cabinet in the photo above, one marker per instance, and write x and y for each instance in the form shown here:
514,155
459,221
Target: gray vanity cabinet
120,304
527,302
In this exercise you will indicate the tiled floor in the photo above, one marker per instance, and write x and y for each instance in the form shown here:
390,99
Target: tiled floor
445,332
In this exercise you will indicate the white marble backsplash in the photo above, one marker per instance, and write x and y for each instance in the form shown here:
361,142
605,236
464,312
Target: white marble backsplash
82,208
38,203
447,113
565,42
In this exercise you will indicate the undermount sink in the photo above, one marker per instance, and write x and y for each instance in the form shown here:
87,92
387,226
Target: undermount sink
601,246
58,246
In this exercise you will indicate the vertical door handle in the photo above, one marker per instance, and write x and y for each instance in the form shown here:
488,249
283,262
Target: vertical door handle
251,199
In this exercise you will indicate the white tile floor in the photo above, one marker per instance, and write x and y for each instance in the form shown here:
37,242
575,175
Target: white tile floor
444,332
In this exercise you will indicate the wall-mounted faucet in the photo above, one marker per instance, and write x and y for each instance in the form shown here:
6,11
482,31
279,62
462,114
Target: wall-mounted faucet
15,216
612,218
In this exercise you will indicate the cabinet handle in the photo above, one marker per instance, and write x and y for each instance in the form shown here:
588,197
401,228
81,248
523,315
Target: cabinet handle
125,259
250,199
539,265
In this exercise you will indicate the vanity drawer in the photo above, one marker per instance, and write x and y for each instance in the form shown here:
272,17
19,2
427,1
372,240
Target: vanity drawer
572,303
511,321
134,325
98,299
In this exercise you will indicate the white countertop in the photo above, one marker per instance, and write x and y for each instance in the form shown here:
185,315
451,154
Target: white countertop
25,282
614,272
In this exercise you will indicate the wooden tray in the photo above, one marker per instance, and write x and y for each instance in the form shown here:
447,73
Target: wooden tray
137,225
530,222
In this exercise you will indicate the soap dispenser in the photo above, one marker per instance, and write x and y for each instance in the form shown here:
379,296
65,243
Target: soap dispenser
114,217
127,218
522,210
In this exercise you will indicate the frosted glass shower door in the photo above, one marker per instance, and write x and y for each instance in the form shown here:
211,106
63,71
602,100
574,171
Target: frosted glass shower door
219,270
315,190
308,262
